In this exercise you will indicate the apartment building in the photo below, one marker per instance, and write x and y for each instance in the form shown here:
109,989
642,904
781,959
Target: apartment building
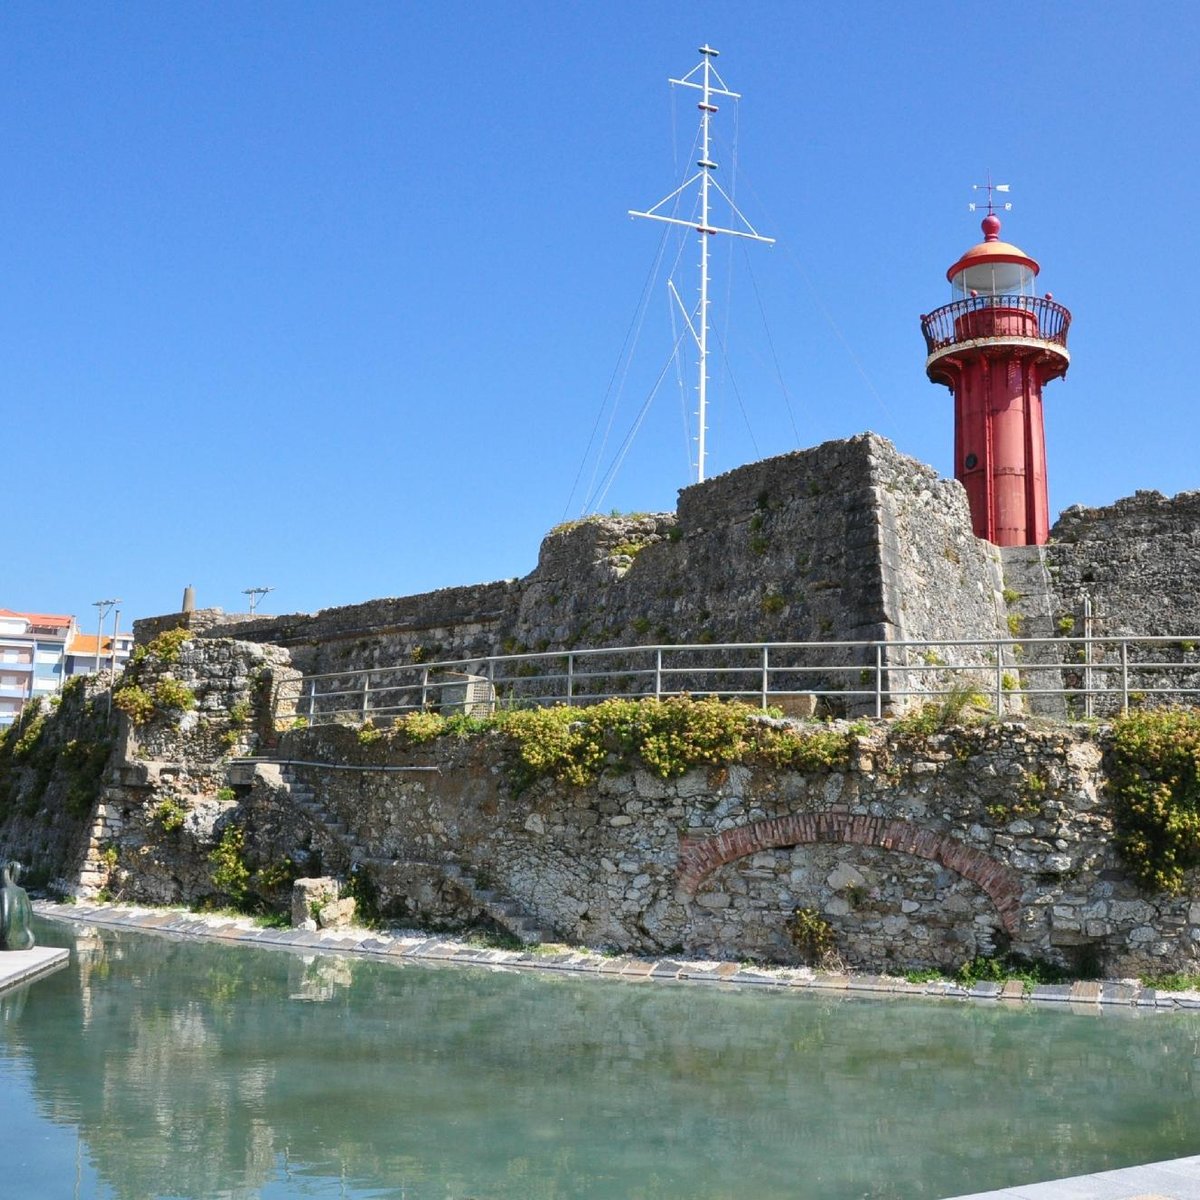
40,651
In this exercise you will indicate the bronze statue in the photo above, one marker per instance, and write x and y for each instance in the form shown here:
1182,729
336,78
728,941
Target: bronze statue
15,911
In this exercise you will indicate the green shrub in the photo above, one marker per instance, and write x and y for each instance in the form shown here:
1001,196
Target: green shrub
420,726
668,736
962,705
134,702
1155,785
171,695
166,646
170,814
1031,972
229,872
28,730
812,935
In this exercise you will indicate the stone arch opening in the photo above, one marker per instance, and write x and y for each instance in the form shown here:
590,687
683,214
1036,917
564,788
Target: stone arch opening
699,856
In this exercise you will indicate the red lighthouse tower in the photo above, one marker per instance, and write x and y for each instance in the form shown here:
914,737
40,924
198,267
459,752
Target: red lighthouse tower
994,346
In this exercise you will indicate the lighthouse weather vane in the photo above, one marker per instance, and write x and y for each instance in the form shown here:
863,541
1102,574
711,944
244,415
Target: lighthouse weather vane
706,80
991,188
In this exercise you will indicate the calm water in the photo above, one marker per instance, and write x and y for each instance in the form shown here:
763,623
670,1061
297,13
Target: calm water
155,1068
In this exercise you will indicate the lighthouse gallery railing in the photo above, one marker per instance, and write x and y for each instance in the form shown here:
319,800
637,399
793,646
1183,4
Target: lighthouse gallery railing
996,316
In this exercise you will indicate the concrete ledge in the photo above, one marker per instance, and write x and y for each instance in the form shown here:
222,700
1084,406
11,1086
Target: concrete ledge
1174,1179
21,966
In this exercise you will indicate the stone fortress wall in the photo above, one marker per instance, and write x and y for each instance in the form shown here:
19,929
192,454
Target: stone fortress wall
910,854
849,541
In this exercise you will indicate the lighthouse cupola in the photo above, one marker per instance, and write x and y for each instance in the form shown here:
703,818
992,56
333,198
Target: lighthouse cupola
994,346
993,268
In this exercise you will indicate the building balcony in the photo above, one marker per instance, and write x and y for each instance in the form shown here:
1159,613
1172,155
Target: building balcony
978,322
9,691
9,667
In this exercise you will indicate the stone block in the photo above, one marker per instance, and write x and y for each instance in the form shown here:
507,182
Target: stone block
337,914
309,896
798,705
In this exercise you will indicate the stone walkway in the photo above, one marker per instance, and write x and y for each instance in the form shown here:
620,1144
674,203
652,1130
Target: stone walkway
402,945
1176,1179
21,966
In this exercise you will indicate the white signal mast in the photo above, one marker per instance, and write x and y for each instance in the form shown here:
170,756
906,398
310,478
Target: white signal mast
709,85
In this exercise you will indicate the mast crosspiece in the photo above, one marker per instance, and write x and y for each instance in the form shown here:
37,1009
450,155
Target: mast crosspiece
705,79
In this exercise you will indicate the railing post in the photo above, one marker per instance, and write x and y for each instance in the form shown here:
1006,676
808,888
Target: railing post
424,687
1087,656
312,703
366,689
766,667
998,650
570,678
658,672
1124,676
878,680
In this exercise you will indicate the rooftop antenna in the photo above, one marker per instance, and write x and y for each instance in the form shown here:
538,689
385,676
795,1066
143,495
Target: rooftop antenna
710,84
256,594
991,188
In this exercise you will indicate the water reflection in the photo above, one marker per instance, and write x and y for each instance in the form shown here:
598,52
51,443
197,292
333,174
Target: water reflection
203,1070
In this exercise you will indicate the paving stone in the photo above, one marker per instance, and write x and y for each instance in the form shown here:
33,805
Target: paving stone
637,970
987,990
667,968
1118,993
756,977
1055,992
835,983
614,966
872,983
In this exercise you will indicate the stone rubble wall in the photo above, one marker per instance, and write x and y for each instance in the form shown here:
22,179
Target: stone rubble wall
1138,559
923,852
47,795
1138,562
163,802
920,854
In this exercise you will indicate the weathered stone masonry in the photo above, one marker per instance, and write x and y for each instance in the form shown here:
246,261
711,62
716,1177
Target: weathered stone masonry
923,851
847,541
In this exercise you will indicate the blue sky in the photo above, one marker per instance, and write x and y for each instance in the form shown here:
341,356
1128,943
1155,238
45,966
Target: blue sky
329,297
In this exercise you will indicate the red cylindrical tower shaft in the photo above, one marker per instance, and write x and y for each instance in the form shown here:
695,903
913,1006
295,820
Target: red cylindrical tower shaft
994,347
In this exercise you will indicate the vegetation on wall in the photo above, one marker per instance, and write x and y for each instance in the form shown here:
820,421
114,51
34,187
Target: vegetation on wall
168,695
249,886
665,736
64,742
1154,781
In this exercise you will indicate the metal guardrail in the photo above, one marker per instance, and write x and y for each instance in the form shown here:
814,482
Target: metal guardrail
996,316
1089,675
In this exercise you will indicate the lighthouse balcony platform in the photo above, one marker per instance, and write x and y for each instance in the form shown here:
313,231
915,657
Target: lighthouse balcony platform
977,322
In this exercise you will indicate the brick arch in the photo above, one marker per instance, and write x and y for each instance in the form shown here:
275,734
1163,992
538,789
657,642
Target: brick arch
700,856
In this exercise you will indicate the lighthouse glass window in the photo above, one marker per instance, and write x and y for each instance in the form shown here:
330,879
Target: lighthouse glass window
993,279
